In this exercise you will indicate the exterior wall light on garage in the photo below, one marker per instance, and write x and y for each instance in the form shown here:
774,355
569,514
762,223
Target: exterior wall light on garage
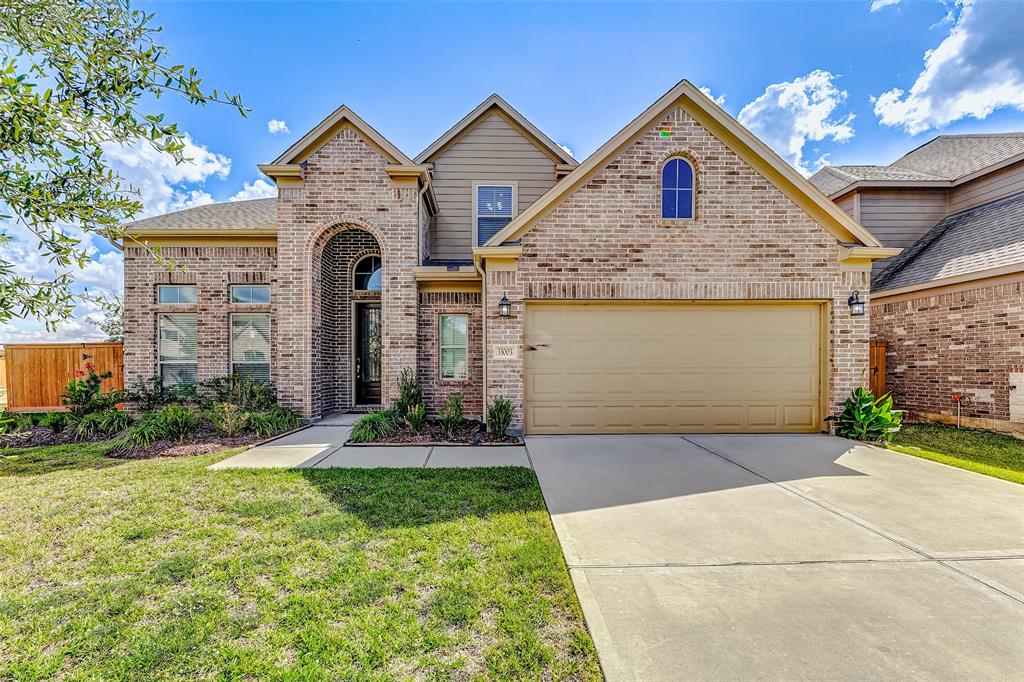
504,307
856,305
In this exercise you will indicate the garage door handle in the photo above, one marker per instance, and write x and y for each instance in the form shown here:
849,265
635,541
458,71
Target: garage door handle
536,347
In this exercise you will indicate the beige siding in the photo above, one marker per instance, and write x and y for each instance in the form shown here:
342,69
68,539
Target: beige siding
495,150
901,217
990,187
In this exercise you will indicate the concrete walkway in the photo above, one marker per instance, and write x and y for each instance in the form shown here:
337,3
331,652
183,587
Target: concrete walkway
786,557
321,446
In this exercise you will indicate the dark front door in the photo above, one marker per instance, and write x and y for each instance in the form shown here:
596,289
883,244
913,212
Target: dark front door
368,342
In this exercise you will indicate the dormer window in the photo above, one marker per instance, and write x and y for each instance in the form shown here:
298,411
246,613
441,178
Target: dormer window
494,208
677,189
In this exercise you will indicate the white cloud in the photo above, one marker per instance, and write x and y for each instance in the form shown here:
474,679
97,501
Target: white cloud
275,126
258,189
789,115
717,99
976,69
882,4
566,150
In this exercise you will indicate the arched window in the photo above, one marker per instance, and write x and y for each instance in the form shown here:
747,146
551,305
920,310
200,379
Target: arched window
366,275
677,189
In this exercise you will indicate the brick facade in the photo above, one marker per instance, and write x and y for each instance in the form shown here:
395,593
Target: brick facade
213,269
968,341
346,187
436,390
607,241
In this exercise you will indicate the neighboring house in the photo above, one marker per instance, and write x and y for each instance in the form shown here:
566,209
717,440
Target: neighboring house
950,308
682,278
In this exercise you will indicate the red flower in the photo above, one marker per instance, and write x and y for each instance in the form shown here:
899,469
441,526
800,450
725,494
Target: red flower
79,373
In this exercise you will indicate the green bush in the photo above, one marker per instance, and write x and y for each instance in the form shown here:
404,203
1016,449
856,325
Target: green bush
55,421
95,424
372,426
15,422
175,421
148,393
410,392
139,437
227,419
84,394
865,418
416,417
499,415
271,422
238,389
450,415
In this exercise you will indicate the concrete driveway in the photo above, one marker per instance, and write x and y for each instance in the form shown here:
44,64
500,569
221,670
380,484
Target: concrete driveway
786,557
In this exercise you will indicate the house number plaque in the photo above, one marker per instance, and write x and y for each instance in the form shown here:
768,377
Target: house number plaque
505,351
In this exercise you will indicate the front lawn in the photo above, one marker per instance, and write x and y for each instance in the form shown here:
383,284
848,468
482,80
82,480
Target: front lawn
985,452
155,569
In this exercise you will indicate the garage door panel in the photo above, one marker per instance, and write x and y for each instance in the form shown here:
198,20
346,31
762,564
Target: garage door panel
672,368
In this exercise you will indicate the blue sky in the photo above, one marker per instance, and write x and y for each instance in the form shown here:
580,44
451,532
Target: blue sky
805,76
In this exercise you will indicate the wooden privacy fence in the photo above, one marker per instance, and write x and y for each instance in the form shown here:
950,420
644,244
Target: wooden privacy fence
877,383
38,372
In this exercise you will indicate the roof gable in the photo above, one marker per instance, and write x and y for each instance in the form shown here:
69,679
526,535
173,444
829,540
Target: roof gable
726,129
328,128
513,117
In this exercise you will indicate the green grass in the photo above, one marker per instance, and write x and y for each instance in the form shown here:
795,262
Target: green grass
162,569
993,454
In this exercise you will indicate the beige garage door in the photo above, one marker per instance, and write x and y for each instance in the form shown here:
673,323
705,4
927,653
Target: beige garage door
672,368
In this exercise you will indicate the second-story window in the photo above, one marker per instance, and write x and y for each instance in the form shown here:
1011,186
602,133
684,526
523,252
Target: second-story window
495,208
177,293
245,293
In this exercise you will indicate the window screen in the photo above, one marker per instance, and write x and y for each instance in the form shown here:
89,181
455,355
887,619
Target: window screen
178,348
250,345
454,345
493,210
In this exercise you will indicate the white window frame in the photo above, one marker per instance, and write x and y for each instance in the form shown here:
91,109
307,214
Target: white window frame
159,340
477,184
176,287
693,188
231,293
441,347
231,345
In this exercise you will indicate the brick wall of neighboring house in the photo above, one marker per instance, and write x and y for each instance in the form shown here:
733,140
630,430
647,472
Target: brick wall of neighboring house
608,241
969,341
435,389
346,186
213,269
332,329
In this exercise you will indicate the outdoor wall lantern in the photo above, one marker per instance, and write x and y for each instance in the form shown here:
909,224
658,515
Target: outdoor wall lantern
856,305
504,307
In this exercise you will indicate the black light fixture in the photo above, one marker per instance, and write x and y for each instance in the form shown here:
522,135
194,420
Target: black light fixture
856,305
504,307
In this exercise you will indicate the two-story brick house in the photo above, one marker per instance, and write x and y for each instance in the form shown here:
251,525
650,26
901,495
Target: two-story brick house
950,307
682,278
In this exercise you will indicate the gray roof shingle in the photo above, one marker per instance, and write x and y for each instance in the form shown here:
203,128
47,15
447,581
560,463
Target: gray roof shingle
946,158
981,238
252,214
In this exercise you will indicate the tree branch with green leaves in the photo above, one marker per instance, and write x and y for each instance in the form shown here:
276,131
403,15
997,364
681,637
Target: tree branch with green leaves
74,78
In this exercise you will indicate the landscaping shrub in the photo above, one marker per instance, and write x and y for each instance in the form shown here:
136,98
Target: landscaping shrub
450,415
115,421
238,389
148,394
865,418
499,416
176,421
416,417
272,422
84,395
227,419
410,392
372,426
55,421
14,422
110,422
139,437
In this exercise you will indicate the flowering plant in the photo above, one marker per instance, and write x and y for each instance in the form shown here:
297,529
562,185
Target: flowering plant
84,393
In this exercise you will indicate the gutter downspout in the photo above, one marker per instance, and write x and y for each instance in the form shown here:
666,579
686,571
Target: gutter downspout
478,264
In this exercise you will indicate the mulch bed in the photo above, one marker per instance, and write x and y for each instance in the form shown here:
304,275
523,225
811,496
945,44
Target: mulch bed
470,433
202,442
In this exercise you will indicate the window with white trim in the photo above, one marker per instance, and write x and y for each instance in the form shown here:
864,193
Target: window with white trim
250,345
177,351
250,293
677,196
177,293
454,346
495,208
